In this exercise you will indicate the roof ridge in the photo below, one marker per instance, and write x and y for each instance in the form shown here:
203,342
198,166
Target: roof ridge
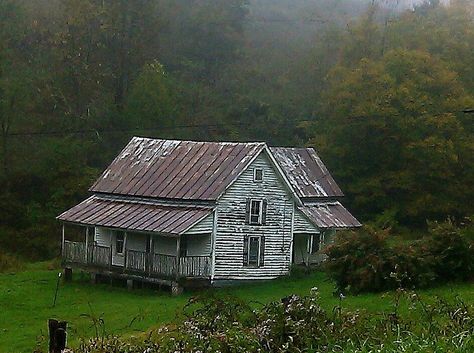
256,143
150,201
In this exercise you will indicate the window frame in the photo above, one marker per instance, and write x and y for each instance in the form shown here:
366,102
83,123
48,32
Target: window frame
124,235
255,170
259,249
260,212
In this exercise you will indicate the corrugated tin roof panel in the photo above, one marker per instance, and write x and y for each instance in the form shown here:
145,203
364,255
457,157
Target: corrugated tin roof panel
306,172
135,216
330,215
176,169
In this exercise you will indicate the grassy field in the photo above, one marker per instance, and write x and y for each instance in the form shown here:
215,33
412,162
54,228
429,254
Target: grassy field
26,300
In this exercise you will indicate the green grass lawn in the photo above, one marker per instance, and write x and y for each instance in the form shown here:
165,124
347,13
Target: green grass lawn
26,300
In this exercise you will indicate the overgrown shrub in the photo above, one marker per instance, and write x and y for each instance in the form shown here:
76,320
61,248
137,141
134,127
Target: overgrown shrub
452,251
300,324
364,261
360,261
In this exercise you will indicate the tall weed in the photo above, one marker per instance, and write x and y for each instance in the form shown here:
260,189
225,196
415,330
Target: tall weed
300,324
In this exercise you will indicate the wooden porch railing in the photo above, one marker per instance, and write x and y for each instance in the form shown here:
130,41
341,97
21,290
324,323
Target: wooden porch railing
136,261
74,252
99,255
163,265
149,264
195,266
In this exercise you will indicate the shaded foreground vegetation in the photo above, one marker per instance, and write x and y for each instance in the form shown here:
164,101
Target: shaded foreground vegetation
26,300
300,324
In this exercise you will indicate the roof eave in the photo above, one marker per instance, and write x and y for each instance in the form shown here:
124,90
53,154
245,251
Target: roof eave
170,235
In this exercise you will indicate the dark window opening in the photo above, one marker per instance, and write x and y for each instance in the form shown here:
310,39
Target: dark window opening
183,247
258,174
254,251
315,244
119,242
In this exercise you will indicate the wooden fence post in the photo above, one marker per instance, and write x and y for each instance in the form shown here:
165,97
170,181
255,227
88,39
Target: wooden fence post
57,335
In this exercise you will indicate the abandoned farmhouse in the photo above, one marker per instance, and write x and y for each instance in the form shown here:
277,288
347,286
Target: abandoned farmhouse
167,211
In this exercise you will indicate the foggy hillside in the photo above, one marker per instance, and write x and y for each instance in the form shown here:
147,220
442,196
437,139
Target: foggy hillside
78,79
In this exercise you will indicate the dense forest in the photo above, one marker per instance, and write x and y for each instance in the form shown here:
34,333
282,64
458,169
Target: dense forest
384,90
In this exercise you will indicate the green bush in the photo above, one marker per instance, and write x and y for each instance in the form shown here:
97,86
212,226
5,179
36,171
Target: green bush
451,249
364,261
360,261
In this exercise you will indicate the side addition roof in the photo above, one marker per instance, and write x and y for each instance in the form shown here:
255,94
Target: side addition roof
135,216
176,169
330,215
306,172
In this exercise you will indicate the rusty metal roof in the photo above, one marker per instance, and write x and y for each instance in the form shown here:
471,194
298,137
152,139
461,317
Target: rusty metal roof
196,174
306,172
330,215
135,216
176,169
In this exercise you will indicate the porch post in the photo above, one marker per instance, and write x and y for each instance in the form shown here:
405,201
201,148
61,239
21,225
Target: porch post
178,245
150,253
308,251
87,243
62,241
213,245
292,236
124,250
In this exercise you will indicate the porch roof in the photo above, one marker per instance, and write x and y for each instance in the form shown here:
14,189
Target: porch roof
330,215
134,215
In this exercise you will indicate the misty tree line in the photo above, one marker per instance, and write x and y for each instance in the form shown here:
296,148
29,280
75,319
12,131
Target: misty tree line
380,93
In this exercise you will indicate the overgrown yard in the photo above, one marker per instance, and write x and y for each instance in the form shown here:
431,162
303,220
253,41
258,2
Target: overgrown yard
26,300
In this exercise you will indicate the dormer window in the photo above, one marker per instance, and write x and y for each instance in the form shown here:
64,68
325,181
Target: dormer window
258,175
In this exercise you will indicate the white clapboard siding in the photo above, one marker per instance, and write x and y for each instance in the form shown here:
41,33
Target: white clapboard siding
137,241
102,236
302,224
231,225
164,245
198,244
204,226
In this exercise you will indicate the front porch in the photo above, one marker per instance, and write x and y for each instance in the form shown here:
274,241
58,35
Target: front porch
136,262
138,256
